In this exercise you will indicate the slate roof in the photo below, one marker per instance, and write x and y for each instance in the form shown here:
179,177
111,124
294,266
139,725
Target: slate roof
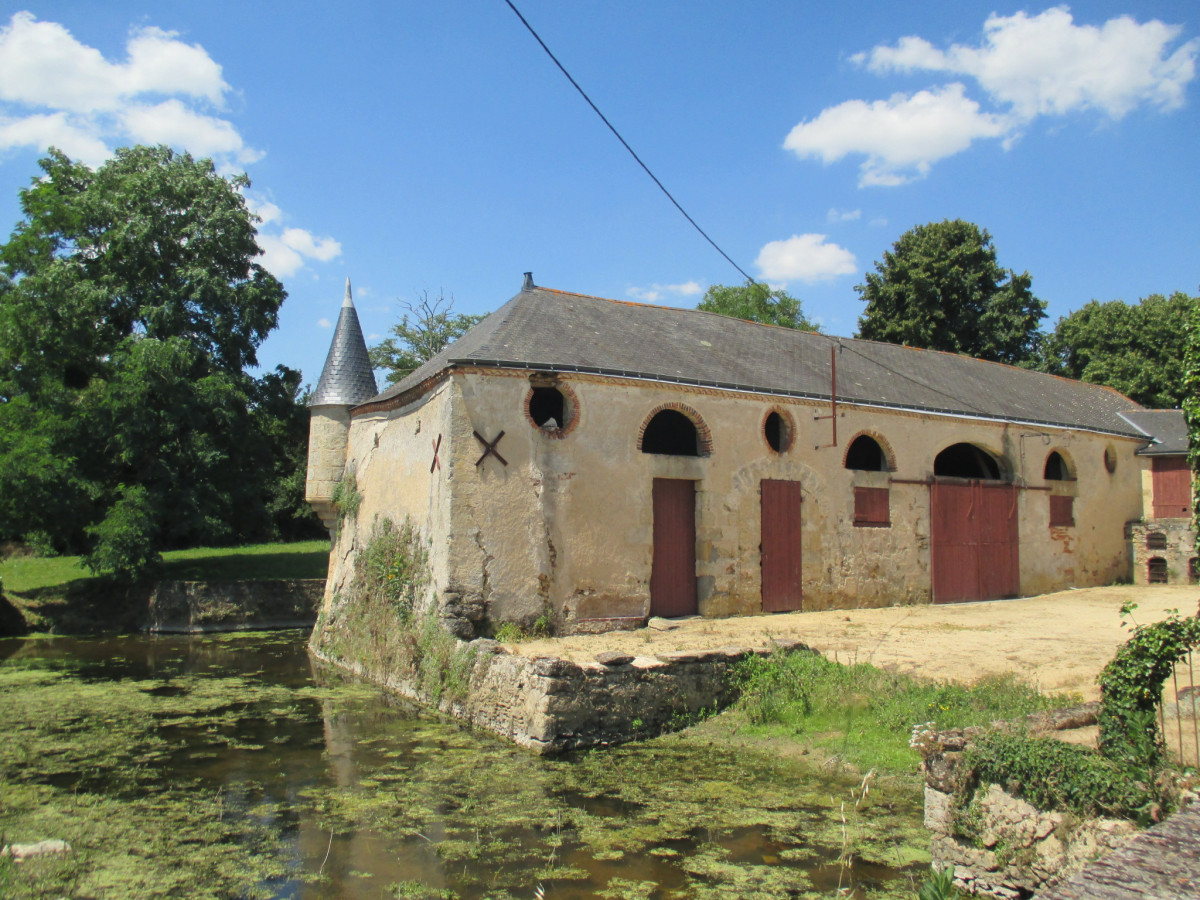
347,378
541,328
1166,428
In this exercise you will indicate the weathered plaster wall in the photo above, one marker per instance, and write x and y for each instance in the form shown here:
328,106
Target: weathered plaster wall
328,429
391,454
564,529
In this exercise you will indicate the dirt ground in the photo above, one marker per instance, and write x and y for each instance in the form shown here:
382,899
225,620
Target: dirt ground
1057,642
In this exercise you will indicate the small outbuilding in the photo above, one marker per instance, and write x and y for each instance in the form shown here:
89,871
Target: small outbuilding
1162,543
582,464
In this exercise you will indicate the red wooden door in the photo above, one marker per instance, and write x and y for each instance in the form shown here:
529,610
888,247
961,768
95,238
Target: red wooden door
782,581
1172,479
974,541
673,570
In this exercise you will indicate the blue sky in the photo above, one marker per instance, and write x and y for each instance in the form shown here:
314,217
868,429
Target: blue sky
433,146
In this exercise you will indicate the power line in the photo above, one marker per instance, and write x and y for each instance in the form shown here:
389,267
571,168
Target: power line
624,143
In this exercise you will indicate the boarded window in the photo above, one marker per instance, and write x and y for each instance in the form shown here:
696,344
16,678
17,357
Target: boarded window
1062,512
866,455
871,507
1156,570
1156,540
671,433
1172,487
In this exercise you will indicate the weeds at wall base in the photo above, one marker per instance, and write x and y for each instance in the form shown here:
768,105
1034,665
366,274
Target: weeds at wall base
382,623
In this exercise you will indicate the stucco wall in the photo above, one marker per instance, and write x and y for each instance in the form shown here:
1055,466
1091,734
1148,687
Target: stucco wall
567,524
391,454
565,529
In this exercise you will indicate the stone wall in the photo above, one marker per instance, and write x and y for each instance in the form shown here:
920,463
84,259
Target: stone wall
1018,849
195,606
550,705
1171,540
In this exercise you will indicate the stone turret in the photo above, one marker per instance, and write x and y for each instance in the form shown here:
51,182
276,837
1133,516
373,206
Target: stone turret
346,381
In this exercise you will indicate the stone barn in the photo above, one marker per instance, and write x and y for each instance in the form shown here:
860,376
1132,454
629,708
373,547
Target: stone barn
1162,544
585,464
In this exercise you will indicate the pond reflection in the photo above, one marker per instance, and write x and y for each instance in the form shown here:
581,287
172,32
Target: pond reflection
226,766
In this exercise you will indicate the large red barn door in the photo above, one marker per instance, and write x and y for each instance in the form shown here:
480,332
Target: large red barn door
974,541
673,570
782,580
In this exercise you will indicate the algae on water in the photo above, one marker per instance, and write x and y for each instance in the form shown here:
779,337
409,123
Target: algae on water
219,767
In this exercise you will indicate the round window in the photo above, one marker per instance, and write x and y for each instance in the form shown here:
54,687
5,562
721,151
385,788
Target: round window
1110,459
777,430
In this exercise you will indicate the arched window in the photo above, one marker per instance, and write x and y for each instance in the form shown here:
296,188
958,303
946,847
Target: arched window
778,431
966,461
1156,570
1156,540
1056,468
671,433
866,455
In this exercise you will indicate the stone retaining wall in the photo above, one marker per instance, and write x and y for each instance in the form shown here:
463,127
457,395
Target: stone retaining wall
197,606
1019,849
552,705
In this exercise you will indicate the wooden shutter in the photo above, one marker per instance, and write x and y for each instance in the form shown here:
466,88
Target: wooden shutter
1062,511
1172,487
871,507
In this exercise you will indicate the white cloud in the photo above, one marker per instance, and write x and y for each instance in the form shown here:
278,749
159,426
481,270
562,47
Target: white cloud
901,136
324,323
286,254
657,292
42,131
1028,66
266,211
56,91
1048,65
804,257
170,122
844,215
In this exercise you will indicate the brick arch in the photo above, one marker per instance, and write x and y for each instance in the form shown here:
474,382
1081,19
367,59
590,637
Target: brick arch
703,433
889,455
1067,459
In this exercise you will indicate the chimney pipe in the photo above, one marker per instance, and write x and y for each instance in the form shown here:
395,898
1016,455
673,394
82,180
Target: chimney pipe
528,285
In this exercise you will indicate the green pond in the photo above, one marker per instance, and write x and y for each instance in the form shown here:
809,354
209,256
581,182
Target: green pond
232,766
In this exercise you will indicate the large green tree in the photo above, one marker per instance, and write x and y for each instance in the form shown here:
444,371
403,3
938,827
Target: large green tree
425,327
755,302
1138,349
940,288
131,307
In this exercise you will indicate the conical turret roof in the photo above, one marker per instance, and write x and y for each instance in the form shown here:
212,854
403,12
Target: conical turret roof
347,378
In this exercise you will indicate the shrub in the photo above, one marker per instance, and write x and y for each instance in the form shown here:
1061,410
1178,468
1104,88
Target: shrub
1052,775
1131,689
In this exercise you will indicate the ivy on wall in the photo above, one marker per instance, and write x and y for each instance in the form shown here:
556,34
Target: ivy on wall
1131,687
1191,407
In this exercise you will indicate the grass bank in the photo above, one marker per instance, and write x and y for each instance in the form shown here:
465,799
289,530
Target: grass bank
861,717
